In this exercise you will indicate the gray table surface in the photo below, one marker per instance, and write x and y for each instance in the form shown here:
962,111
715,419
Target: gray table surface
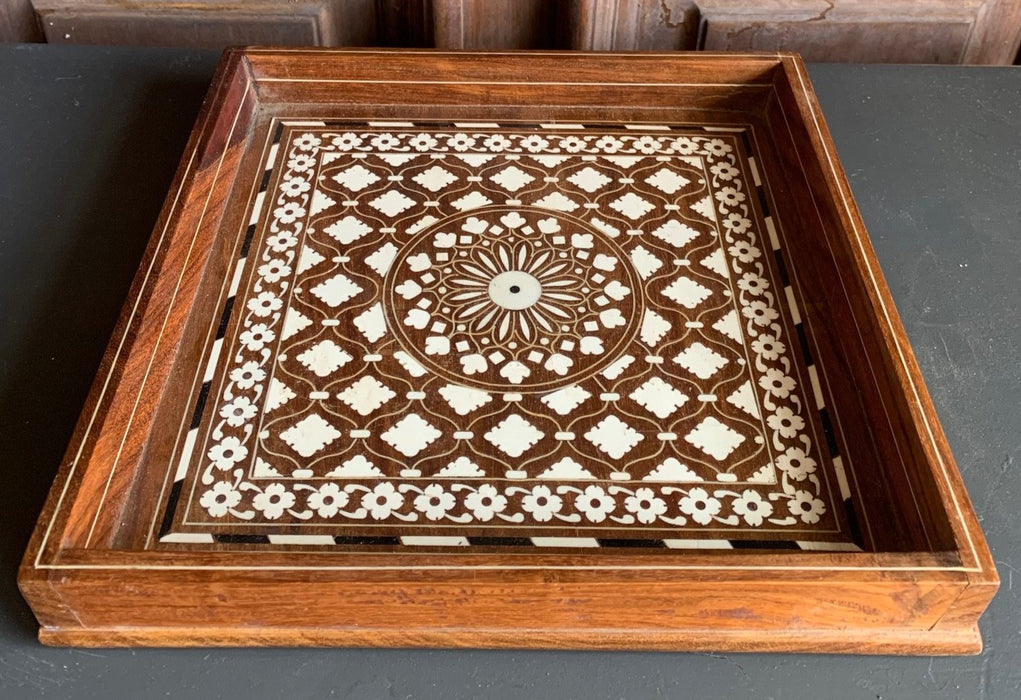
89,139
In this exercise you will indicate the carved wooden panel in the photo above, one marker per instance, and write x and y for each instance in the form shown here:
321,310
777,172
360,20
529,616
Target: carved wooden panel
18,21
209,24
407,23
633,25
920,31
936,31
505,24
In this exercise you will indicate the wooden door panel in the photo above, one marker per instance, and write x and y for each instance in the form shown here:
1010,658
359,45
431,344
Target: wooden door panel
206,24
864,40
496,24
866,31
18,21
633,25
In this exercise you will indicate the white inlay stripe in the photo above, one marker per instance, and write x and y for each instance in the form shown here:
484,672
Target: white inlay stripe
257,207
829,546
813,377
792,305
301,539
213,357
755,172
430,541
565,542
187,538
838,467
774,240
189,447
698,544
236,280
272,157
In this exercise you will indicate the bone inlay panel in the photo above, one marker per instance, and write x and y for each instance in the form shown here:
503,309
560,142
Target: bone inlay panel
511,331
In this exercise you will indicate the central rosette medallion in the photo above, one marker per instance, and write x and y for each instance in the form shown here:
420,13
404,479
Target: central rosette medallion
513,299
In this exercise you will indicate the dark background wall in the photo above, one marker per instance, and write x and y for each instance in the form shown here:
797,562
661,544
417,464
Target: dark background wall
862,31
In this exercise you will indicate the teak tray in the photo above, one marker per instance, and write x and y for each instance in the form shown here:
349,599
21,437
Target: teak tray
548,350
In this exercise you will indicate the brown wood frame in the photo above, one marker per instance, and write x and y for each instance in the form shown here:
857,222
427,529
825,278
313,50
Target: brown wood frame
92,581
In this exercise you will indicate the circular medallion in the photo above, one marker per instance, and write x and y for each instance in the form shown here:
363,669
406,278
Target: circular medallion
515,290
514,299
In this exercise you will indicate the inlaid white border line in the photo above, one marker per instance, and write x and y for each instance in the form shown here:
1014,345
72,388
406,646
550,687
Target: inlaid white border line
565,541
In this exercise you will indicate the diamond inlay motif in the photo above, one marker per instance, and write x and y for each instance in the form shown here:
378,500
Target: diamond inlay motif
645,262
614,437
658,397
336,290
356,178
632,206
324,358
687,292
366,395
391,203
348,229
512,178
667,180
464,399
700,360
565,400
675,233
715,438
589,179
435,178
310,435
514,435
411,435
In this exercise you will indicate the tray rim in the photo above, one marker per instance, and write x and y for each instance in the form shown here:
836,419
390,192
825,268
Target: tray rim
974,572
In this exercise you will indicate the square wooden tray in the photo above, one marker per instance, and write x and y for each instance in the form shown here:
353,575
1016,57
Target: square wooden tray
522,349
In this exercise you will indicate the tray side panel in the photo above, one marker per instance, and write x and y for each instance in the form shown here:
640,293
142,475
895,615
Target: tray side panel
538,609
84,473
850,337
931,481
